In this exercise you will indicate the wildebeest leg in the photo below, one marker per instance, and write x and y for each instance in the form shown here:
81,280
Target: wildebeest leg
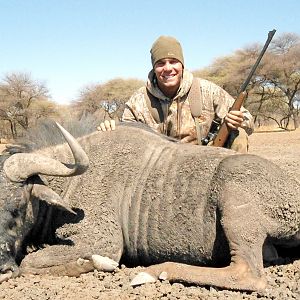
236,276
79,253
64,261
239,275
241,223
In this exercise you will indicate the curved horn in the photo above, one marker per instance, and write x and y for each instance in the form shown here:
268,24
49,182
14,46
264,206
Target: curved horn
20,166
47,194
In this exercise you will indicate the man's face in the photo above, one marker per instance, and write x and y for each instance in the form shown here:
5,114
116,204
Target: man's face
168,72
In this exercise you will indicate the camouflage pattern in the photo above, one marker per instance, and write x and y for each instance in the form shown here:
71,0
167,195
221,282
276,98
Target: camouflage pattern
179,122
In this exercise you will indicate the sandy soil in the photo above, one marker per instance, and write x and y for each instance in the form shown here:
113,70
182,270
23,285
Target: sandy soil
283,148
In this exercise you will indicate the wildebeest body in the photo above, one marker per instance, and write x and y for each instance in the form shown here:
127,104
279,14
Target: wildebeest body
152,200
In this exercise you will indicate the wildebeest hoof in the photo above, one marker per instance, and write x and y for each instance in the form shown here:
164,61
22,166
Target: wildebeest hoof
103,263
8,272
163,276
142,278
81,262
6,276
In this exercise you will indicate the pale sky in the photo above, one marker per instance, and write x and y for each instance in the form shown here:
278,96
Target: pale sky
71,44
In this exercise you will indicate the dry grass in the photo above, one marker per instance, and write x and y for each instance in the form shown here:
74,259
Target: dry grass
270,128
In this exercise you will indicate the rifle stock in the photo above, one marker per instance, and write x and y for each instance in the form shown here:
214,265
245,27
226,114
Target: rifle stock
224,130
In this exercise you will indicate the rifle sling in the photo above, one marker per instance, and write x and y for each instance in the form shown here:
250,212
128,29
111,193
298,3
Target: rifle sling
195,100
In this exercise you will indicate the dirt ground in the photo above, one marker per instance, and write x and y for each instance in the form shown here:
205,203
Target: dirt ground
283,148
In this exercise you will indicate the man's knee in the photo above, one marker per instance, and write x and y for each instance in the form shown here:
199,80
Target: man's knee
238,140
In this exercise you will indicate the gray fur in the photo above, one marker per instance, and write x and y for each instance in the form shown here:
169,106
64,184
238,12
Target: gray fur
152,201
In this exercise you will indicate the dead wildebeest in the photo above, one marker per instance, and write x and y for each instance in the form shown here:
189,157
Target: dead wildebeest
179,209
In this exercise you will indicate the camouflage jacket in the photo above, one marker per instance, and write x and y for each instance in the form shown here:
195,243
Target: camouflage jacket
179,122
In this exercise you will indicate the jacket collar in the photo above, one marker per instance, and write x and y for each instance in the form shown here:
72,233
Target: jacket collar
184,88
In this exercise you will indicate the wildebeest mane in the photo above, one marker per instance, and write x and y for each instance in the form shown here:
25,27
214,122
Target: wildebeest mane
46,133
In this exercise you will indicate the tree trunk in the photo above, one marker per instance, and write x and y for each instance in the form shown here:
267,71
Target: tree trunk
13,129
295,118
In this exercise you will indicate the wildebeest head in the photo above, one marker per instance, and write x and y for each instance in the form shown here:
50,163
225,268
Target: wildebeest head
21,187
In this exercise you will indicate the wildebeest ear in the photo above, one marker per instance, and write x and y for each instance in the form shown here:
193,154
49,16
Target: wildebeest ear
44,193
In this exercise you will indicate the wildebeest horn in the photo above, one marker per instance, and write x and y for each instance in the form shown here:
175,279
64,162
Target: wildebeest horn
20,166
47,194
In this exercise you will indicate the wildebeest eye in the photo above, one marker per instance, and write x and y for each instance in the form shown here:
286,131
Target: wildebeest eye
15,213
11,224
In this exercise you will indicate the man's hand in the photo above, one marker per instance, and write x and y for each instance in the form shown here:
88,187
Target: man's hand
234,119
107,125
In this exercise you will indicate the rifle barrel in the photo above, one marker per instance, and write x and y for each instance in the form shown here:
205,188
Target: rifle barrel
268,41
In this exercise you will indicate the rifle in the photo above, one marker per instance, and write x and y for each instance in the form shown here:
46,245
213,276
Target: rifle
224,130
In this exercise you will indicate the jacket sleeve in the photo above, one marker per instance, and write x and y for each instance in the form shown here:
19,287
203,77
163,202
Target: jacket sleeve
136,110
133,108
128,114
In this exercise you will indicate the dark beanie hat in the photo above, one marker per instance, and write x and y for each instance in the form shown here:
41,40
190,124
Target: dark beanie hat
166,47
